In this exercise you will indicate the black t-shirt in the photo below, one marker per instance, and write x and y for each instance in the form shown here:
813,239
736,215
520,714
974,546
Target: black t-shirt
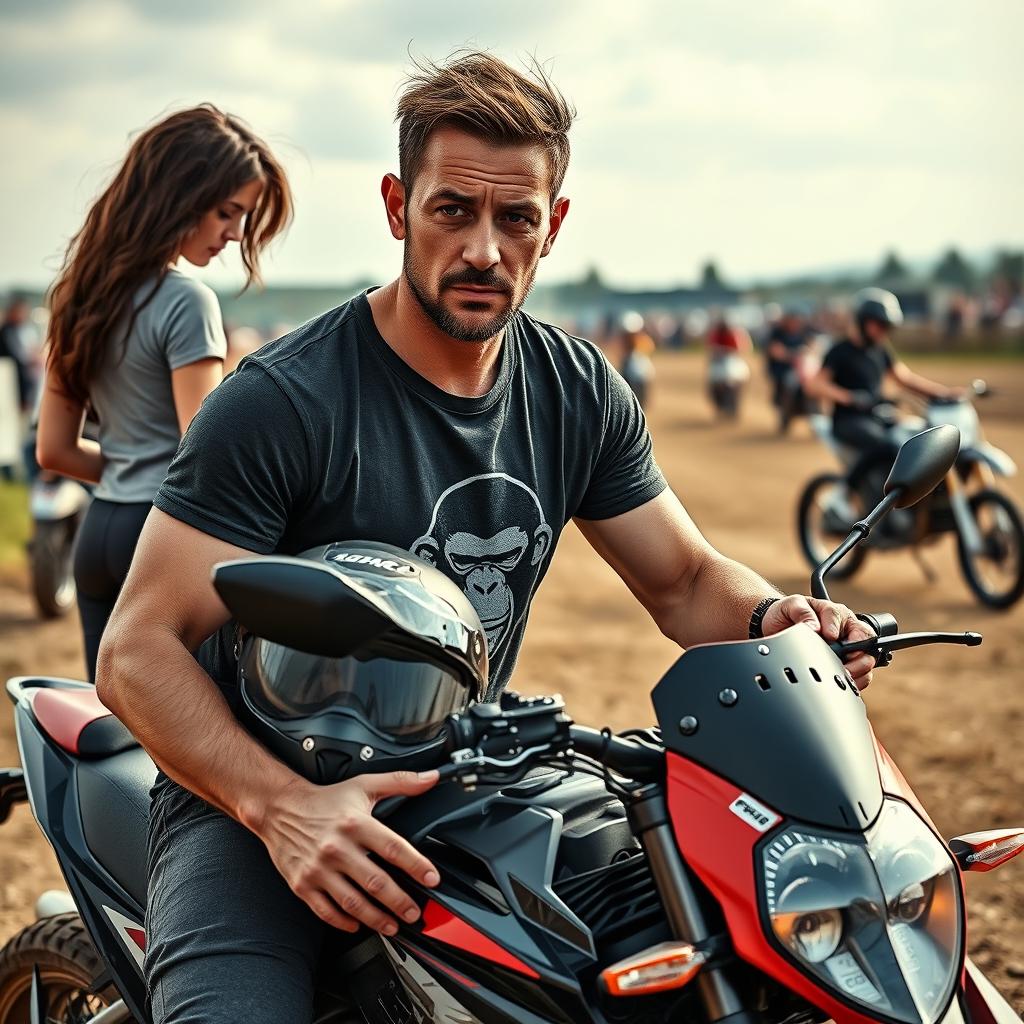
327,434
858,368
791,340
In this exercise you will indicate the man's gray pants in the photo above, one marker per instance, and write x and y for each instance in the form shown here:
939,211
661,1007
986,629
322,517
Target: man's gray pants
226,939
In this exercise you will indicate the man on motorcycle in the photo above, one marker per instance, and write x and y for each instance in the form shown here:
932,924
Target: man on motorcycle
431,414
852,378
855,369
788,342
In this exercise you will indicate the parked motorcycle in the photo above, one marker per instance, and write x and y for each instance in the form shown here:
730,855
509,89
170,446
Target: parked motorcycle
757,858
967,503
57,506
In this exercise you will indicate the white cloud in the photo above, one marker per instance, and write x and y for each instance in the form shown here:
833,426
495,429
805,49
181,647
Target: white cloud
771,136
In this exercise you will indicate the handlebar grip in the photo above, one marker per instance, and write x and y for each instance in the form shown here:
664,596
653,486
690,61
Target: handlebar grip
883,623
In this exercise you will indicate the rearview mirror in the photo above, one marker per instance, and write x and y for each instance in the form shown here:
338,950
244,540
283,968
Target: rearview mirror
922,462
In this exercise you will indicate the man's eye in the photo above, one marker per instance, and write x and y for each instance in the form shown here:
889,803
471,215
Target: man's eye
451,211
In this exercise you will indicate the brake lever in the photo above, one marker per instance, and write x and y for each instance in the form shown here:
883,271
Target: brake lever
881,648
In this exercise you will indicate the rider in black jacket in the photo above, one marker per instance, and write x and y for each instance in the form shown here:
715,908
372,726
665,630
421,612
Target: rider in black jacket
856,368
852,377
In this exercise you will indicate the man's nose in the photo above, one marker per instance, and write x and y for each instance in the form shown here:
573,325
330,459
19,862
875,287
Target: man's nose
481,248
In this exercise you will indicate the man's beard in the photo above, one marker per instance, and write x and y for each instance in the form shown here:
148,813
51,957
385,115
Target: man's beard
449,322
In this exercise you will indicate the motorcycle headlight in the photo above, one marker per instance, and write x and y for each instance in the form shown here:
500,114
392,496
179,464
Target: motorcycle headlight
876,918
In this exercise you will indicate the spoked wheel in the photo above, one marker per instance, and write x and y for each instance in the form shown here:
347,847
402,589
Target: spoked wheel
996,573
68,968
827,511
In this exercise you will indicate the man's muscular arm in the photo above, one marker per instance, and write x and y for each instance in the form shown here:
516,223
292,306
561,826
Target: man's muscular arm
697,595
317,836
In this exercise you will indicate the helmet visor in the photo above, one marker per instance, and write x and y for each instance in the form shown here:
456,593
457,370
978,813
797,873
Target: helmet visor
405,700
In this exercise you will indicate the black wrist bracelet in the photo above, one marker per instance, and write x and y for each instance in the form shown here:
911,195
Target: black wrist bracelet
755,631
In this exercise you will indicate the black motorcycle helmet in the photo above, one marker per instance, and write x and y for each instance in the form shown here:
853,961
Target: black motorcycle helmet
375,665
877,304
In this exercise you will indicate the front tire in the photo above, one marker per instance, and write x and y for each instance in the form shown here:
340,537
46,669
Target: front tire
821,527
996,575
68,968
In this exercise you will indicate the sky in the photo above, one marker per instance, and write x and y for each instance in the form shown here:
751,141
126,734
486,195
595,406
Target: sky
772,137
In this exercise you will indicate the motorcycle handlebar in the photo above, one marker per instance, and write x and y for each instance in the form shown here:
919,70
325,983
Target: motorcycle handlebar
627,757
525,731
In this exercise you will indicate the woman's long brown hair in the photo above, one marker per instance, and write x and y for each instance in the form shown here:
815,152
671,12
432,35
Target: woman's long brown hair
175,172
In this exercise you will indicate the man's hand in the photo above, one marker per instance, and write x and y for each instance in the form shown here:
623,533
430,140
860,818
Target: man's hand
862,401
320,838
832,621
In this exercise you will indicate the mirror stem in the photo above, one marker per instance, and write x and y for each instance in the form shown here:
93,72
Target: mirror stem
861,529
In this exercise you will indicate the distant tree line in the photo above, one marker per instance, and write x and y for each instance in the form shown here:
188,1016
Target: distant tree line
953,269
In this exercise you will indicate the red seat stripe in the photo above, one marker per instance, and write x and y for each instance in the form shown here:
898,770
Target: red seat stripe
63,714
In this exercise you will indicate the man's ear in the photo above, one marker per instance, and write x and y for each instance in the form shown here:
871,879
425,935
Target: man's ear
558,214
393,192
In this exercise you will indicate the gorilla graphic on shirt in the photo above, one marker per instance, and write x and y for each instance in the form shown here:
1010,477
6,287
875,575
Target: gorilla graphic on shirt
489,534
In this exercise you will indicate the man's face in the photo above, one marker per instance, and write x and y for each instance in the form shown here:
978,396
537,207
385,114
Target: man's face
476,224
875,332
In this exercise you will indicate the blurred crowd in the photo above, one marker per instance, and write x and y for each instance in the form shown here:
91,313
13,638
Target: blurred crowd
728,334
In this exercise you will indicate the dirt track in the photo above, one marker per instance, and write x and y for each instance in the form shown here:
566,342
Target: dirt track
951,717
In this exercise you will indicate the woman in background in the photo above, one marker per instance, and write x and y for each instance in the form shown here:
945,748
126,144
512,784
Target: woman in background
138,342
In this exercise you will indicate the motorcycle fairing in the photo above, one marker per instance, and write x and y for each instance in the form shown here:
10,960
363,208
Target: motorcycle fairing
983,1002
895,784
469,1003
720,847
995,458
765,711
542,884
444,926
50,777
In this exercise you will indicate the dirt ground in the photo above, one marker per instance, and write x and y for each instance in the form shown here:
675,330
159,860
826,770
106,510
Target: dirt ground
950,716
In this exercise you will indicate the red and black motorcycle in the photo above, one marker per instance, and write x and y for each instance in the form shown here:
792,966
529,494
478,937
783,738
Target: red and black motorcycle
756,858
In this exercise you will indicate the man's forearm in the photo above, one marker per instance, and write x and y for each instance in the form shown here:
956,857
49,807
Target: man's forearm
715,603
173,708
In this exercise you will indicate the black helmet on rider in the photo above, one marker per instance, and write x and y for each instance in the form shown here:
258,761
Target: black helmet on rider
382,706
879,305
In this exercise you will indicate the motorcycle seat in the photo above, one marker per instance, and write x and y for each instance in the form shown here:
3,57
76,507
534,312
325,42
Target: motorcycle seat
79,723
113,798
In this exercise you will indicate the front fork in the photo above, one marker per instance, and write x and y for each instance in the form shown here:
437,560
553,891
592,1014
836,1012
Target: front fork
966,524
649,817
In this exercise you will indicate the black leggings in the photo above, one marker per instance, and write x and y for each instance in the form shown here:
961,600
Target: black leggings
103,553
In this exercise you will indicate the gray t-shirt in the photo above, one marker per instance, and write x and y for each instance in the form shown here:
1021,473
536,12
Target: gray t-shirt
328,435
132,395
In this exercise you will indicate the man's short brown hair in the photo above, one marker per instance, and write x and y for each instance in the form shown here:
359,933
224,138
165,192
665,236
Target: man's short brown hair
481,95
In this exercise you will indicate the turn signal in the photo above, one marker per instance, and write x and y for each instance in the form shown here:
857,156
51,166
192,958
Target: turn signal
983,851
658,969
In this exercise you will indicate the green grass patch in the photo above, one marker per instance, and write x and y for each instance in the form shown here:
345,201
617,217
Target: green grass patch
14,523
